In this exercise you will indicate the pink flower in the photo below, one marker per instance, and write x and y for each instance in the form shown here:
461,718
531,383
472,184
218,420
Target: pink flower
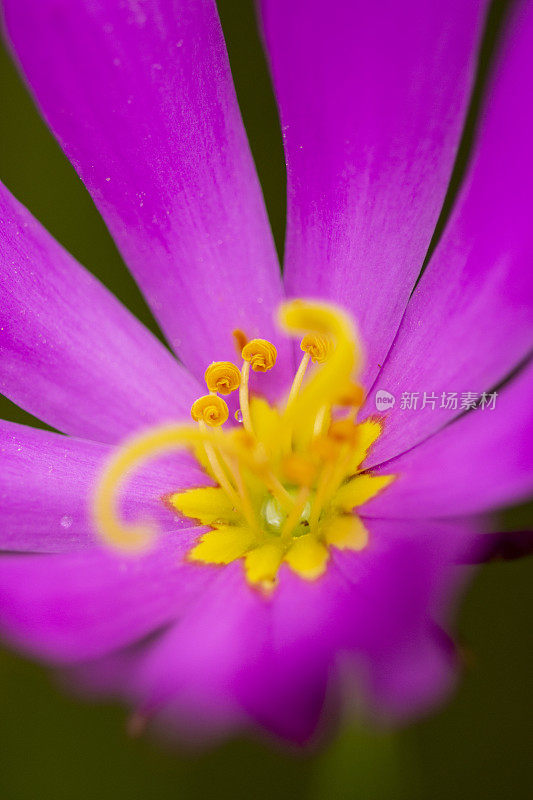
372,99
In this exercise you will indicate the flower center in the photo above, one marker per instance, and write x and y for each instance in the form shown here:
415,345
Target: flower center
288,479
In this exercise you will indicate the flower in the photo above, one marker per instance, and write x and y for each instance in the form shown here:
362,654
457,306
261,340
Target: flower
262,593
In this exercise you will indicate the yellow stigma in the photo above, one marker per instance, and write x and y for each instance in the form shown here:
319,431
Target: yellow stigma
289,480
210,409
223,377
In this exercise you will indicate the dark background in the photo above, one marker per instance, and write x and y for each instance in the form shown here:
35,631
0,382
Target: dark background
53,745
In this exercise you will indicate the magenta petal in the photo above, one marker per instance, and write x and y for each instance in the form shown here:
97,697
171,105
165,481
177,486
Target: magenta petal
46,485
226,655
372,98
415,677
70,353
506,546
274,658
470,320
407,662
480,462
142,100
183,719
76,606
283,684
191,667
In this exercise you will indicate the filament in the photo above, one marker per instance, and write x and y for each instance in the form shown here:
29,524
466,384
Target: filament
244,398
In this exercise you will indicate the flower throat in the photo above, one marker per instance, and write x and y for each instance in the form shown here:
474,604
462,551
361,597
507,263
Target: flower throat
288,478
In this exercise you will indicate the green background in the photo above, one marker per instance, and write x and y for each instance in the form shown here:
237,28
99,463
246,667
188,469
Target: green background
53,745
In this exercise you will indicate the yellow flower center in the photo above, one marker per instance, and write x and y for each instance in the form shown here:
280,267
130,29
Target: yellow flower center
289,479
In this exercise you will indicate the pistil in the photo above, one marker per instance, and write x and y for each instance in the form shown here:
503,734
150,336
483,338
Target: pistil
296,512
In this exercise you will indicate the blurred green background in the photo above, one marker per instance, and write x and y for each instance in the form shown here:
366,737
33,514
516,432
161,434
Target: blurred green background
54,746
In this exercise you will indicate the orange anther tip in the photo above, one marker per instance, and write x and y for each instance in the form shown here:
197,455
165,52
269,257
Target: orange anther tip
299,469
240,340
353,396
343,431
325,448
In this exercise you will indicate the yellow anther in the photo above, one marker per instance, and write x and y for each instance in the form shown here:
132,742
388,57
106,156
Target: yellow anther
299,316
210,409
223,377
318,347
344,431
240,339
325,448
260,354
244,439
299,469
353,396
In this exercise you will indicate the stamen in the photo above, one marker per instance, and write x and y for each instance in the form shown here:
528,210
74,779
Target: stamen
137,536
296,512
298,316
321,494
344,431
339,473
223,377
299,469
204,411
298,379
317,347
218,470
271,481
261,354
293,394
240,340
244,398
320,419
210,409
245,502
278,490
353,396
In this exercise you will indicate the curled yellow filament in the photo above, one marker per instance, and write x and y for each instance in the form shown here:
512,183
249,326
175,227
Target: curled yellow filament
260,354
137,536
297,317
210,409
317,347
223,377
